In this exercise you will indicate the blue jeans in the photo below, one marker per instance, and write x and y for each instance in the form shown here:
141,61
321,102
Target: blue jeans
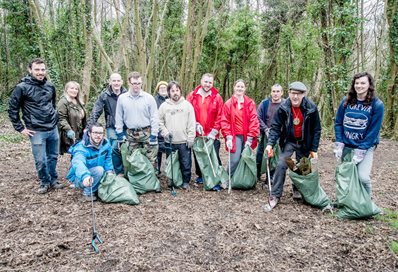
235,156
280,171
96,173
45,149
116,154
364,168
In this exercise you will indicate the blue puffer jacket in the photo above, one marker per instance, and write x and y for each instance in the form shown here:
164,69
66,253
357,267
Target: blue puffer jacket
86,156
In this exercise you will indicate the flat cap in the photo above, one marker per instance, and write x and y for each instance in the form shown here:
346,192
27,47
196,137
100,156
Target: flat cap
298,86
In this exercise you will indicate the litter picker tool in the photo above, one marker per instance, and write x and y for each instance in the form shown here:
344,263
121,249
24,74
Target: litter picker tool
95,236
229,171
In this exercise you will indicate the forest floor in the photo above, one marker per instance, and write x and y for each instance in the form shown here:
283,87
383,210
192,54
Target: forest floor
194,231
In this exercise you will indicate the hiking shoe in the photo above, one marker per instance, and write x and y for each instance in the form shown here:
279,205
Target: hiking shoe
185,186
273,201
88,198
217,188
199,180
297,195
224,185
43,189
57,185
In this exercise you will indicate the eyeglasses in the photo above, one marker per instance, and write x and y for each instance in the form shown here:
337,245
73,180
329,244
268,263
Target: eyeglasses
135,83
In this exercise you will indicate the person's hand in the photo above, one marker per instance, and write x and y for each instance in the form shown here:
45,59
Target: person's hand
70,134
213,133
153,140
338,149
313,154
189,144
199,129
169,137
120,136
88,181
270,151
249,141
229,142
27,132
359,155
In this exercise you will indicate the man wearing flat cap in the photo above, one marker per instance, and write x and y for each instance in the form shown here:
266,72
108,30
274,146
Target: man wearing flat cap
297,126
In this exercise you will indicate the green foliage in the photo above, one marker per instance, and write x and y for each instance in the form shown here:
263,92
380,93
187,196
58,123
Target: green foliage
394,247
11,138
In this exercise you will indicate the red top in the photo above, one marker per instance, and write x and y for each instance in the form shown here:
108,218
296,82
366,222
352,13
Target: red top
298,120
207,113
239,121
250,123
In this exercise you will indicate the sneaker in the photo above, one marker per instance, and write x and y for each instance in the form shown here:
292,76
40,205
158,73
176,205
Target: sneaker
43,189
217,188
273,201
185,186
199,180
224,185
57,185
89,198
297,195
159,190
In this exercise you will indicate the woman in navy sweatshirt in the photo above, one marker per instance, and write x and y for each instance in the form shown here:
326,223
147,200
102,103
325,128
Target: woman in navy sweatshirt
358,123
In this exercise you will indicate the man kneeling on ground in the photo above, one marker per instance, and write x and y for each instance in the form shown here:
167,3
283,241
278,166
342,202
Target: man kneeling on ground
91,158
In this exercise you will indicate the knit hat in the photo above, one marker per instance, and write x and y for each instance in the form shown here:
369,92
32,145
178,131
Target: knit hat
161,83
298,86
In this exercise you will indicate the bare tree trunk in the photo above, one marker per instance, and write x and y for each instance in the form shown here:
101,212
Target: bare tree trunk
88,51
152,53
139,41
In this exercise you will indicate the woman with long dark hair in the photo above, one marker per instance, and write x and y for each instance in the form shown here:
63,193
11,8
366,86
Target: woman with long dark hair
358,123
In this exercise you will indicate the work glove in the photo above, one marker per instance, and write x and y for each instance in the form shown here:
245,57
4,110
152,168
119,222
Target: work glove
359,155
110,172
199,128
153,140
189,144
249,141
120,136
270,151
313,155
169,137
229,142
213,133
70,134
266,131
338,150
87,181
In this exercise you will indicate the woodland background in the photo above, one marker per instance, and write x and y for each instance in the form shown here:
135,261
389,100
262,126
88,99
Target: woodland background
320,42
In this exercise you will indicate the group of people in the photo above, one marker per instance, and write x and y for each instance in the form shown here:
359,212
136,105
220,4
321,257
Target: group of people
167,121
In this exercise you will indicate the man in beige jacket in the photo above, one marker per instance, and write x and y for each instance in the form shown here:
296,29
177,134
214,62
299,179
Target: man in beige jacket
177,126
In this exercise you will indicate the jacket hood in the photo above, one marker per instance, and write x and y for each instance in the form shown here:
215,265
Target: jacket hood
306,105
29,79
172,102
109,90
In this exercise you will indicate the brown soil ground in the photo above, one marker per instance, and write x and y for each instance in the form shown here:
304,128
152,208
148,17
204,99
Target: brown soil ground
194,231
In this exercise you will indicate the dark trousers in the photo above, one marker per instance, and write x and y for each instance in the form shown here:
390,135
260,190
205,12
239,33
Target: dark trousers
185,160
260,153
163,149
217,146
280,172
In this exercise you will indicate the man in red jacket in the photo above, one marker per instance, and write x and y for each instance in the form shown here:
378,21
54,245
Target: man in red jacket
207,104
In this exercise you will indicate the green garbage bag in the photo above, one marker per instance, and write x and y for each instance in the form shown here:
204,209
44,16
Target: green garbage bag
353,201
141,173
174,165
310,188
209,180
115,189
245,175
273,161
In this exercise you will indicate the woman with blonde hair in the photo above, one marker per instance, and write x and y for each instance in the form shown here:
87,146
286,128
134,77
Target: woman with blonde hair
72,116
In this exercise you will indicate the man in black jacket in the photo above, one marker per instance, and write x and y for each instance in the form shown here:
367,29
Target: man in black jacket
106,102
36,97
297,126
